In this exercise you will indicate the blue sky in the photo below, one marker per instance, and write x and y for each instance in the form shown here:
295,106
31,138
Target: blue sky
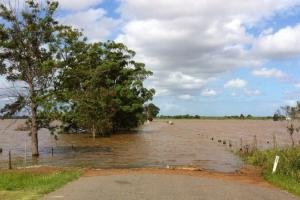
207,58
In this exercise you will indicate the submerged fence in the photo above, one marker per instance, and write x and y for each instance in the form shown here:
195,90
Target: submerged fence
53,156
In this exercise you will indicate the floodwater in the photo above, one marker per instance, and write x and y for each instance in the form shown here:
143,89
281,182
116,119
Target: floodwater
158,144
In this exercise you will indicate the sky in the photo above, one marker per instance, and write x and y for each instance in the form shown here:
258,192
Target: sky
211,57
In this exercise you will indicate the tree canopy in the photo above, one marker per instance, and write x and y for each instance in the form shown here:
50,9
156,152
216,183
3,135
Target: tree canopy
152,111
28,39
103,90
96,87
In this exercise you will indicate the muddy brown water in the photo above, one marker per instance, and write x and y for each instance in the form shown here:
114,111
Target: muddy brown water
158,144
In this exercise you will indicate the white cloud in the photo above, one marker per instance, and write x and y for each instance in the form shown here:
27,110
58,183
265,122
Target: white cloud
176,83
196,37
185,81
252,92
246,10
185,97
94,22
78,4
297,85
285,43
235,83
209,93
268,73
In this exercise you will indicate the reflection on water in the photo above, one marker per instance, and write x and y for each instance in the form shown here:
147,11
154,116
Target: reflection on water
186,143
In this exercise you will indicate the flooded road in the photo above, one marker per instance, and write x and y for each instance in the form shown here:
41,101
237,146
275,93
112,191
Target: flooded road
158,144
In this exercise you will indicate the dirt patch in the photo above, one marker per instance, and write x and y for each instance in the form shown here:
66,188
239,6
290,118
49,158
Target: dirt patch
249,174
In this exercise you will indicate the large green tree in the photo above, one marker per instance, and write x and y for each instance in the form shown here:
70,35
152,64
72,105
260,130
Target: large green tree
29,56
101,89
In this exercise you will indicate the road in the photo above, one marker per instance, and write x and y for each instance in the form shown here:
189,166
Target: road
166,186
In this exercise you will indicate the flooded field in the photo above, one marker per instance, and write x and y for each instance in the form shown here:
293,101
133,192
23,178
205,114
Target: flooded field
158,144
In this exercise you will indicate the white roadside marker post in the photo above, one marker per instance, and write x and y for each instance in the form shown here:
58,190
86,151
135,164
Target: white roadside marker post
275,164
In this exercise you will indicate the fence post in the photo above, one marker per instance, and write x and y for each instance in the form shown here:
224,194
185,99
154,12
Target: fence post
241,143
52,151
9,160
274,141
255,143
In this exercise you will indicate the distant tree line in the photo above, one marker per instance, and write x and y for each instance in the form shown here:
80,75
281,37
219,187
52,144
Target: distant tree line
58,75
187,116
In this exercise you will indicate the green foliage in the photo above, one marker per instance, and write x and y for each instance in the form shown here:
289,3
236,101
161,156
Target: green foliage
27,52
103,90
32,44
287,175
31,41
152,111
276,117
10,109
34,184
95,87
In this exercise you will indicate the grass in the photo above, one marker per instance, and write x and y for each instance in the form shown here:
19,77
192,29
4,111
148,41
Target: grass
287,175
16,185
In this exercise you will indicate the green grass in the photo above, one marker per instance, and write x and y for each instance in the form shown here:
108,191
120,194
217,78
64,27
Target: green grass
287,175
30,185
286,183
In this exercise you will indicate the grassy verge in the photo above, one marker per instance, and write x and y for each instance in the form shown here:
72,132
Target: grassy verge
287,175
31,185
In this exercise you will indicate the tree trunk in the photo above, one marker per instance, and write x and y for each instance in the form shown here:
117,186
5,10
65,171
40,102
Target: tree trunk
94,132
34,126
34,133
293,142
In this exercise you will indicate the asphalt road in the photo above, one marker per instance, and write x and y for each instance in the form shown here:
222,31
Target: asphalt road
164,187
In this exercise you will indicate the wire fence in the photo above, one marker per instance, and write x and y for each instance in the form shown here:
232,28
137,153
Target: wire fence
51,156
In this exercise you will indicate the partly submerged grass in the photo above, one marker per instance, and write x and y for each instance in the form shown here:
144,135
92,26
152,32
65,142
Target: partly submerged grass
18,195
287,175
30,185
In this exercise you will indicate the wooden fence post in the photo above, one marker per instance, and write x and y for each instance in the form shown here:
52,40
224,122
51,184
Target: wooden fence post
9,160
274,141
255,143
